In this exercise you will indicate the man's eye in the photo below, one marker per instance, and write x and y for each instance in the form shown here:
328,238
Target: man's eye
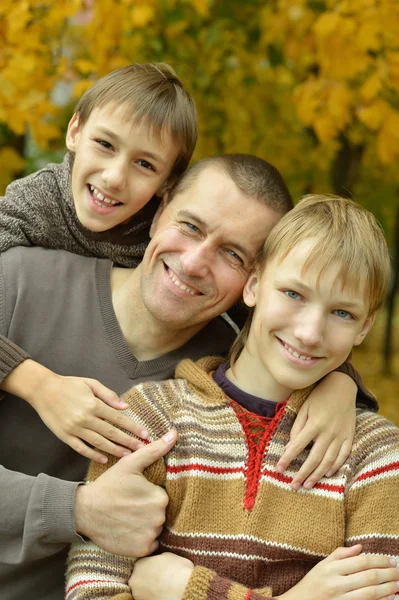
191,226
343,314
146,165
293,295
104,144
235,256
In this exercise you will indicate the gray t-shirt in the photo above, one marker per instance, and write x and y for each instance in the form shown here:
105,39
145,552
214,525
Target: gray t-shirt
58,307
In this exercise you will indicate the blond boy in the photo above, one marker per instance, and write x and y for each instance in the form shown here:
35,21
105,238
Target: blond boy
322,276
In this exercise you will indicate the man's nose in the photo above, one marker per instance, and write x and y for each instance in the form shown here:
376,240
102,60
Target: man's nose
196,260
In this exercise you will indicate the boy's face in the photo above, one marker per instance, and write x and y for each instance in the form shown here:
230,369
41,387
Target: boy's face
303,327
118,167
202,250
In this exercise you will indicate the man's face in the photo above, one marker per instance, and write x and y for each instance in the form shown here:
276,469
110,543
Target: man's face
303,327
202,251
118,167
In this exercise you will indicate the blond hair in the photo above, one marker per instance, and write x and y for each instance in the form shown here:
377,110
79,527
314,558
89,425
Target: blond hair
343,233
150,92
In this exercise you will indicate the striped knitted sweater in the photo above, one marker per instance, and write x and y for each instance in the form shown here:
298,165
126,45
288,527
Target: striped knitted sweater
249,534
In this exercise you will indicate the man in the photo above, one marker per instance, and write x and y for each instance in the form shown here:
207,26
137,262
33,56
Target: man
79,315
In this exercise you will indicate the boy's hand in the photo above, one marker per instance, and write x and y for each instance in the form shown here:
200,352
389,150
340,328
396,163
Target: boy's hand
161,577
346,575
76,410
121,511
328,418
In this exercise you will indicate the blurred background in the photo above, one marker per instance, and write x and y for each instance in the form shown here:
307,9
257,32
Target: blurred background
310,85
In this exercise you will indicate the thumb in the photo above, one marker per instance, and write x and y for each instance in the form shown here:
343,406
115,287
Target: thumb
146,456
105,394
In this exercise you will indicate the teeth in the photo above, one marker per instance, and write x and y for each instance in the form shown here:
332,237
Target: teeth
181,285
102,198
294,353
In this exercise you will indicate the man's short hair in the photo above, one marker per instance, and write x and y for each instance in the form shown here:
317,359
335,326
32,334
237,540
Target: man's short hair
344,234
152,93
252,175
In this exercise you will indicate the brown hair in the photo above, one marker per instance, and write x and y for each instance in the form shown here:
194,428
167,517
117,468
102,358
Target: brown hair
252,175
151,92
343,232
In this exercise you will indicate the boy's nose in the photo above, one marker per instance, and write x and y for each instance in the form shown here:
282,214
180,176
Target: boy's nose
310,331
115,177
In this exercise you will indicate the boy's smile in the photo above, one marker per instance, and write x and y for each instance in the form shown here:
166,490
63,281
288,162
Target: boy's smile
118,167
304,325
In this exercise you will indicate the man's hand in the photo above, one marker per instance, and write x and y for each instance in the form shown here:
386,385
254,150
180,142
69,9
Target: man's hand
76,410
346,575
161,577
328,418
121,511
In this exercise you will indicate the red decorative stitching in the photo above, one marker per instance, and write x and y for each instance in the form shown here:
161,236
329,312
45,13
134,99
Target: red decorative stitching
258,431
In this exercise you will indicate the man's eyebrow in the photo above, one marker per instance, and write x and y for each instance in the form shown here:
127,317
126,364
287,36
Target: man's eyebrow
113,136
186,214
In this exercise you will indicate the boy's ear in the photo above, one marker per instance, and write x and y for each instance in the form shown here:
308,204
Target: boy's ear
250,292
369,322
159,212
73,132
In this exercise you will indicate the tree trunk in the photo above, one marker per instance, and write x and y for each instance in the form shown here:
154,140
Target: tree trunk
345,168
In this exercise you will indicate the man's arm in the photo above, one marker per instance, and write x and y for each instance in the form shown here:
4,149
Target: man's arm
36,516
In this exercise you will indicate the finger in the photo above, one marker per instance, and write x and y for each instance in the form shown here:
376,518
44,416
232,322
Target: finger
96,439
314,460
105,394
104,429
299,423
341,459
372,577
294,448
81,448
144,457
342,553
320,470
123,422
364,563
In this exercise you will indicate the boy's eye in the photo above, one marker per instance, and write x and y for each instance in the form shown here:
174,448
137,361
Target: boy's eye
104,144
343,314
146,165
293,295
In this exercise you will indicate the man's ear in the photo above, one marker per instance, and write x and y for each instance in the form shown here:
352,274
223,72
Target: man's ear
159,212
250,292
369,322
73,132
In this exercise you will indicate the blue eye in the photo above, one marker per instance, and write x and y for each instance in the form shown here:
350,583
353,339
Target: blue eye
191,226
293,295
343,314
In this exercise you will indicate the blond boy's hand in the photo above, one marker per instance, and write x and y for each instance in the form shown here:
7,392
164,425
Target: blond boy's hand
348,575
328,419
78,410
161,577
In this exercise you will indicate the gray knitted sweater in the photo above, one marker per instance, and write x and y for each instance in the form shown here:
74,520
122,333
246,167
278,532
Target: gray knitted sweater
38,210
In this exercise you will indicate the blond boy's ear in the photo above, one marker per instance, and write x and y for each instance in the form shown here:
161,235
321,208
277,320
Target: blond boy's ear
369,322
250,292
73,132
159,212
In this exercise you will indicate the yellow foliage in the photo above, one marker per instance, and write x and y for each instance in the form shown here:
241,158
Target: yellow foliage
11,165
